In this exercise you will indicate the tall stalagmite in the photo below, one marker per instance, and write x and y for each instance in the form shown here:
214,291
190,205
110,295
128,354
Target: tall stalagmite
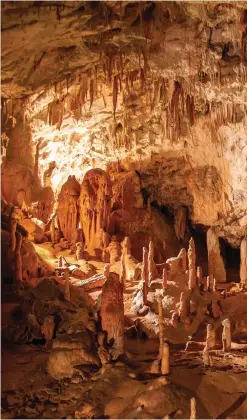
67,210
216,266
95,207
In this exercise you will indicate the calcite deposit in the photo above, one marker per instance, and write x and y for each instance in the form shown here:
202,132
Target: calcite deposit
123,209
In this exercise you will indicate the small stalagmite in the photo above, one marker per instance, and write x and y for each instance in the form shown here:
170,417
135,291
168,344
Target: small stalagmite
161,325
193,408
165,278
145,278
216,266
67,210
215,288
192,279
226,335
66,286
183,312
79,251
165,360
199,275
18,259
206,358
183,257
126,246
208,283
211,337
152,269
112,312
243,261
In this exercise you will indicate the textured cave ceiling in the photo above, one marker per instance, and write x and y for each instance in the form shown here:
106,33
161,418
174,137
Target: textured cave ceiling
160,87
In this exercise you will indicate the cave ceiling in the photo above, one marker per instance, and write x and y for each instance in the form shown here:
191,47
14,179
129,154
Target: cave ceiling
160,87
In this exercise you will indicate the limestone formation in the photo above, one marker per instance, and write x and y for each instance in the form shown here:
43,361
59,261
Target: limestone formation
165,360
216,266
174,320
145,278
165,278
152,269
193,408
243,260
66,286
123,271
211,337
183,256
192,264
206,356
226,335
95,207
55,231
112,312
126,246
115,251
199,275
216,310
183,312
67,210
47,328
215,288
161,326
180,221
79,250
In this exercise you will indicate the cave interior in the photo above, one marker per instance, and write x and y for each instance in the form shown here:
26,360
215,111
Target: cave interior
124,209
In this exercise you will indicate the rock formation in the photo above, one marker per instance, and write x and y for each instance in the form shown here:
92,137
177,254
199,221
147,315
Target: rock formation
145,277
112,312
216,266
95,207
67,210
193,408
226,335
152,270
165,361
192,264
180,221
243,260
211,337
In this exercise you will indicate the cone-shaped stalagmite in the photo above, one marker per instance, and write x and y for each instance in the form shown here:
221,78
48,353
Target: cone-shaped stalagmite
243,261
145,275
193,408
216,266
67,210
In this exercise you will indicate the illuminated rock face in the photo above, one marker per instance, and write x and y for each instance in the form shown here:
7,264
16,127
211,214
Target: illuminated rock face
95,208
67,210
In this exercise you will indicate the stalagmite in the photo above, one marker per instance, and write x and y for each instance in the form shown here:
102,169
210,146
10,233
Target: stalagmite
193,408
165,278
47,327
55,233
192,264
216,266
183,307
199,275
215,288
165,361
126,246
18,259
67,210
243,261
66,286
226,335
152,269
123,272
112,313
183,257
208,283
79,251
13,224
211,337
206,356
95,208
174,320
145,278
161,326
